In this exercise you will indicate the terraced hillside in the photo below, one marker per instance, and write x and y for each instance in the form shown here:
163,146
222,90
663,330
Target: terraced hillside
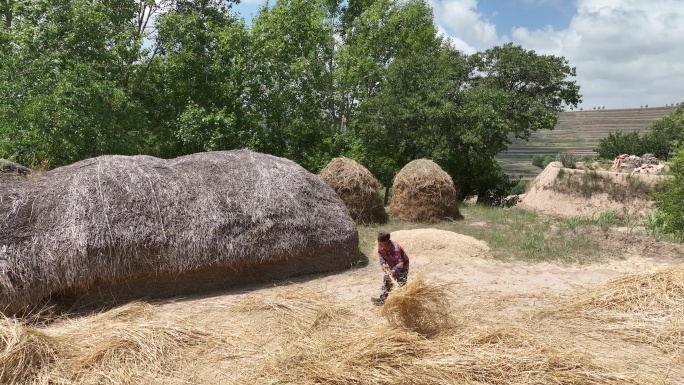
577,132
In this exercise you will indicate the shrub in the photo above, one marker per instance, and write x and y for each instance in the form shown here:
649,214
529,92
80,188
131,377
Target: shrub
538,161
567,158
669,201
618,143
519,188
548,159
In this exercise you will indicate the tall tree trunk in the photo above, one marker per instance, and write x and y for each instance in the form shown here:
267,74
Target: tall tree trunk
8,5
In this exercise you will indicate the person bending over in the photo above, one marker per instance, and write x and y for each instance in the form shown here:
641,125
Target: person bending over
394,263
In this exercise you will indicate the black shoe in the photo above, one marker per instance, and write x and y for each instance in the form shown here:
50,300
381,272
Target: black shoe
378,301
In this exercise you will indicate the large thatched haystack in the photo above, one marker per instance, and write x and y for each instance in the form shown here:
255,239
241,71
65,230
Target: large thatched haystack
124,227
423,192
358,188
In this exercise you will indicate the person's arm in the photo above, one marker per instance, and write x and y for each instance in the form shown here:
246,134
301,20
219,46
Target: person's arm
383,263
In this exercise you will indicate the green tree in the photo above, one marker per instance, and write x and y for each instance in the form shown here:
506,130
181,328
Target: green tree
619,143
375,34
658,141
193,85
669,216
7,11
63,91
289,81
531,89
404,121
665,132
460,111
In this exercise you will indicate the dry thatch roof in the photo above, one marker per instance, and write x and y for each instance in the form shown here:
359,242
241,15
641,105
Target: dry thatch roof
142,226
358,188
11,168
423,192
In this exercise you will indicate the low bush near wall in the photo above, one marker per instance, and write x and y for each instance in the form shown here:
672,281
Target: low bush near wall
591,182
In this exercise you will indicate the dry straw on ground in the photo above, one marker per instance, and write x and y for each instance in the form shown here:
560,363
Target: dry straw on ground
319,341
123,346
423,192
166,227
645,308
358,188
291,335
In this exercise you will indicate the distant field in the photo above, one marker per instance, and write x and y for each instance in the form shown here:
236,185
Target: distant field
577,132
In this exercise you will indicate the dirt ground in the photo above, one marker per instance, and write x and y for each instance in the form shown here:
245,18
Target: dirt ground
542,198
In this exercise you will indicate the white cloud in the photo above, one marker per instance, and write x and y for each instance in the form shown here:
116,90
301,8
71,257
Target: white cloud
627,52
456,42
463,22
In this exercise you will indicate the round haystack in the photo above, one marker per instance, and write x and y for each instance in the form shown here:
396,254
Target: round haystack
119,227
358,189
423,192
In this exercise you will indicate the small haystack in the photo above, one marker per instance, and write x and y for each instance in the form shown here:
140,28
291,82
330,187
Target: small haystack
423,192
118,227
358,188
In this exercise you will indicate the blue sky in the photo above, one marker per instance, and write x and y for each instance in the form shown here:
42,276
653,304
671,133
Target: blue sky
628,53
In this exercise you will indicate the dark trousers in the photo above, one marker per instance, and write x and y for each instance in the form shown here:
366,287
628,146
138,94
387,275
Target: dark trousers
400,276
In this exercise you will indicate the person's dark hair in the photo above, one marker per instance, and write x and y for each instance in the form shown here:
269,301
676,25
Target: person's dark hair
383,236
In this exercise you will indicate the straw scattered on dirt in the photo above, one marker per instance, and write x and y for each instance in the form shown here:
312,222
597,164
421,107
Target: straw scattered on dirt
316,331
125,345
645,308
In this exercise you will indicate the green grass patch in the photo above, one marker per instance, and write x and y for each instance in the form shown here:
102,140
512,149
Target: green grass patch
512,234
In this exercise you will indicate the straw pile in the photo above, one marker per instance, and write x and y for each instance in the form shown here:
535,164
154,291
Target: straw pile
312,339
358,188
644,308
117,227
122,346
423,192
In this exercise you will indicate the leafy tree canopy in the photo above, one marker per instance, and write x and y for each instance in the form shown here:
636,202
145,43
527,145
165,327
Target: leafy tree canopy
308,80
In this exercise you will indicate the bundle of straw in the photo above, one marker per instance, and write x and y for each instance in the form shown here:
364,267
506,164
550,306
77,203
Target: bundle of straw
419,306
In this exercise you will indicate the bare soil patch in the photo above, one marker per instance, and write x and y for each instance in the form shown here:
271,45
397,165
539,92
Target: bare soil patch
548,200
